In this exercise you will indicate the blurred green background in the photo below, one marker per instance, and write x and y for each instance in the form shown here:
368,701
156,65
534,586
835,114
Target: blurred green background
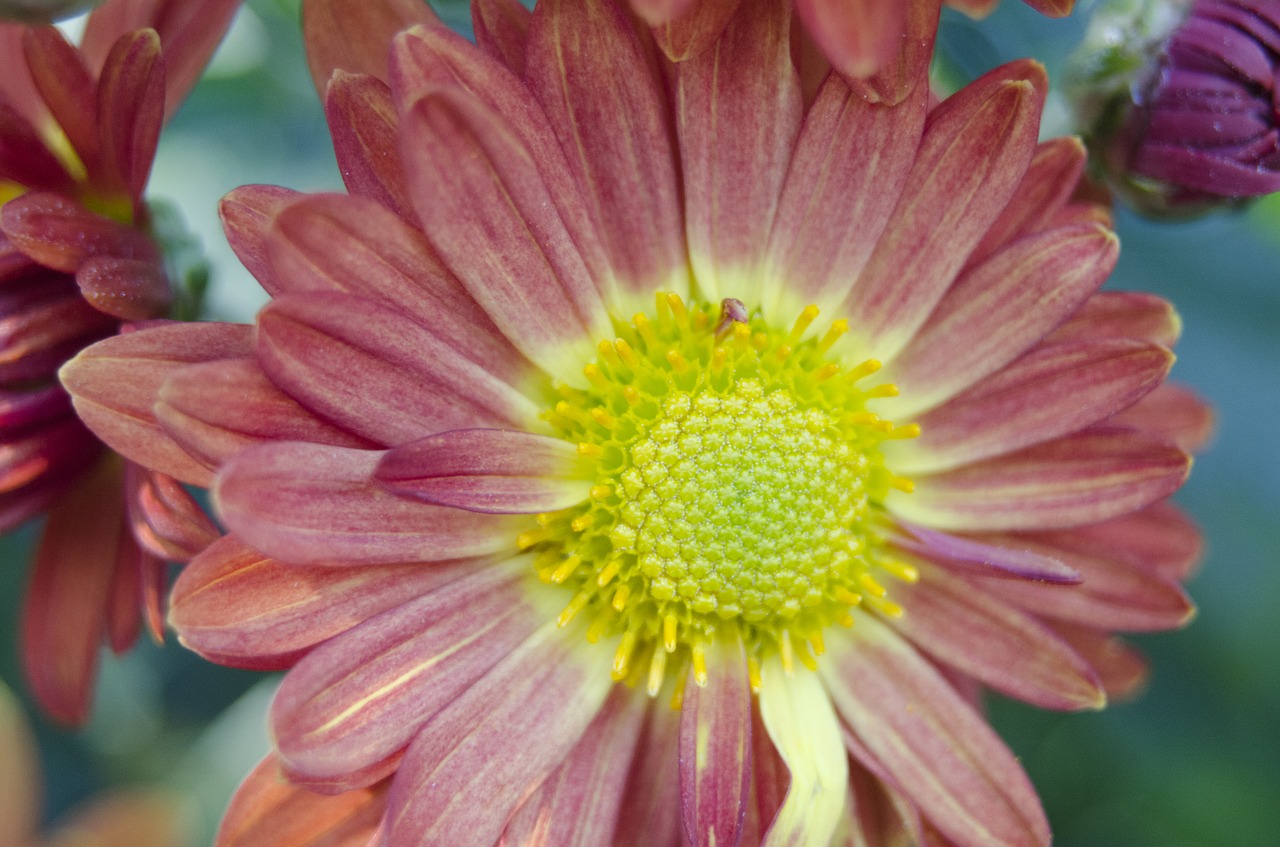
1194,762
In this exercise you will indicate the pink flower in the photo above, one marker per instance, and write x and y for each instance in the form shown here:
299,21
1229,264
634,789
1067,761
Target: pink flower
78,131
618,384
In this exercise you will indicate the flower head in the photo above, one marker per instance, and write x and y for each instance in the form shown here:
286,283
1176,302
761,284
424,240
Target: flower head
78,131
618,385
1181,103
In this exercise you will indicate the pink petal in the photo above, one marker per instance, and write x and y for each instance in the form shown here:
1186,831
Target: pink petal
857,36
998,309
24,159
268,811
498,741
377,373
951,764
1122,314
502,30
1000,646
487,470
129,289
1160,538
347,710
685,29
17,89
363,126
61,234
975,149
237,607
215,410
1122,669
1050,391
850,164
485,203
651,814
1079,479
908,66
311,504
735,153
1113,594
355,35
1174,411
579,803
338,243
131,107
715,749
45,321
65,611
247,213
60,449
606,102
114,385
123,622
166,520
1051,178
969,555
67,87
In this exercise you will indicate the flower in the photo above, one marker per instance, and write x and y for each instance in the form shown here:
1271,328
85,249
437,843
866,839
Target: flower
879,45
137,817
618,384
78,131
1180,102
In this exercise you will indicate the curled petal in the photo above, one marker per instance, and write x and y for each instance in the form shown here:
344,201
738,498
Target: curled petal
355,35
61,234
67,87
247,213
685,29
131,107
129,289
166,520
1174,411
502,30
363,125
1122,314
651,814
857,36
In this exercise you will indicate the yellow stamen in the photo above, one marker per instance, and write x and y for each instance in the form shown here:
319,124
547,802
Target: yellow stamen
657,668
575,605
807,316
669,632
620,597
699,658
838,328
565,569
622,658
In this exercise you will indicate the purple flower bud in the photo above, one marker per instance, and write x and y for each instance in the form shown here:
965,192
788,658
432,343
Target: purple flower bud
1192,124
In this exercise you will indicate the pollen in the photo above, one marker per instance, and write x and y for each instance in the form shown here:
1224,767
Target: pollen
738,476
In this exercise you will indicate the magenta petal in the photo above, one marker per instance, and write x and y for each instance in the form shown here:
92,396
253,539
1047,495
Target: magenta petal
129,289
486,470
606,102
1160,538
579,803
61,234
247,213
215,410
377,373
498,741
908,66
67,86
131,111
313,504
1079,479
24,159
857,36
685,29
351,705
166,520
363,125
1174,411
930,741
238,607
1122,314
502,30
995,643
487,205
651,814
734,154
970,555
355,35
715,749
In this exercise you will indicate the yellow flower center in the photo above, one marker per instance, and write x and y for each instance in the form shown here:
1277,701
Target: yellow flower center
737,482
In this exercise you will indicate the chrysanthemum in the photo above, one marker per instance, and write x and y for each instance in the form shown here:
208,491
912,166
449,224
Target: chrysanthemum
78,131
644,448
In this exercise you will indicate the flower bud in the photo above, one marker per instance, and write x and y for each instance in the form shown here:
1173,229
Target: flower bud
42,11
1178,101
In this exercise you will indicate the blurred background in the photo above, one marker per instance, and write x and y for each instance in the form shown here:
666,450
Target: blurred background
1193,762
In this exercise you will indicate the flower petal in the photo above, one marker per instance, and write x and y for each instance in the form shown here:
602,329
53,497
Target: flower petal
1079,479
971,555
909,65
502,31
349,708
484,201
215,410
715,748
363,125
930,741
578,804
975,150
20,779
65,612
238,607
66,86
1174,411
24,159
685,29
733,151
651,815
355,35
998,645
1122,314
59,233
857,36
798,716
247,213
166,520
334,242
312,504
131,109
1050,391
377,373
486,470
850,164
1160,538
129,289
997,310
268,811
114,385
606,102
1122,669
499,740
